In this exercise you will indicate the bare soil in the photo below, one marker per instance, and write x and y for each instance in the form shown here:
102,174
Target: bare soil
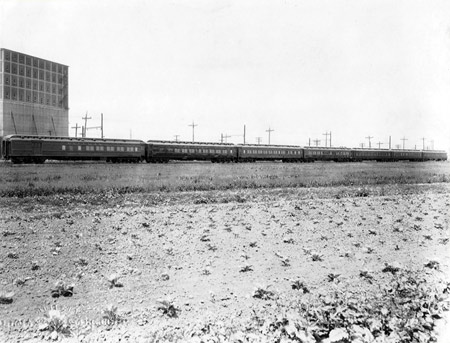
205,253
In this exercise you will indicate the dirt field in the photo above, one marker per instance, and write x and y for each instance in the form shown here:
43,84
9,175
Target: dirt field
273,264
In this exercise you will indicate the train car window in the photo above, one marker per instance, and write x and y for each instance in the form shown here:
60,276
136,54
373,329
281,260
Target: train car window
79,148
70,147
63,147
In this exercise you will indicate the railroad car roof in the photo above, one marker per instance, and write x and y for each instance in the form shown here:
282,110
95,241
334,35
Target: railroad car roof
189,143
72,139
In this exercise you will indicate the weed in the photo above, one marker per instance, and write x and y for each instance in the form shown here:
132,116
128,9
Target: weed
316,257
61,288
111,315
263,293
300,285
6,297
114,281
246,268
57,322
168,308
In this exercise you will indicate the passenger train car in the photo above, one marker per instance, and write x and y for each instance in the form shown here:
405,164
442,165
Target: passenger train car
37,149
163,151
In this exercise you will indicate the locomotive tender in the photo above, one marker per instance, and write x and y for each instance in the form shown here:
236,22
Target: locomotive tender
38,149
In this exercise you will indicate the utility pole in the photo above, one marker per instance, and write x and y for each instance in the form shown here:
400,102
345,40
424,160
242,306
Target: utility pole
403,139
423,143
330,139
326,138
85,118
397,146
379,145
193,126
389,142
76,130
317,141
244,133
269,131
309,141
361,145
369,138
176,138
259,139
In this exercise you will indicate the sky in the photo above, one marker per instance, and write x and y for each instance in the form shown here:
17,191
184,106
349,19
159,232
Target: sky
303,68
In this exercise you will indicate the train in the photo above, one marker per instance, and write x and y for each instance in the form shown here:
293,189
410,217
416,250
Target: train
38,149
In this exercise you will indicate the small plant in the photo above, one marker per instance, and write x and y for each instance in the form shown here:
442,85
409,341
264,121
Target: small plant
168,308
111,315
333,277
253,245
61,288
316,257
366,275
432,264
211,247
263,293
6,297
285,262
57,322
246,268
369,250
204,238
114,281
300,285
391,268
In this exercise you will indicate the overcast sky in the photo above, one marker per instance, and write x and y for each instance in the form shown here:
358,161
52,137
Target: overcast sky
355,68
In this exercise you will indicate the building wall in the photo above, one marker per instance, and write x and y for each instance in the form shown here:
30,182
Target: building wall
33,95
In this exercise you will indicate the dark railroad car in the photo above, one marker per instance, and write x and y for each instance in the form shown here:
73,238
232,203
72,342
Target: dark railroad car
164,151
37,149
379,155
312,154
434,155
406,155
253,153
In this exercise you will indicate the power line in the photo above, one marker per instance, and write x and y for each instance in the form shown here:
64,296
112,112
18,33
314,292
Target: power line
379,145
317,141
